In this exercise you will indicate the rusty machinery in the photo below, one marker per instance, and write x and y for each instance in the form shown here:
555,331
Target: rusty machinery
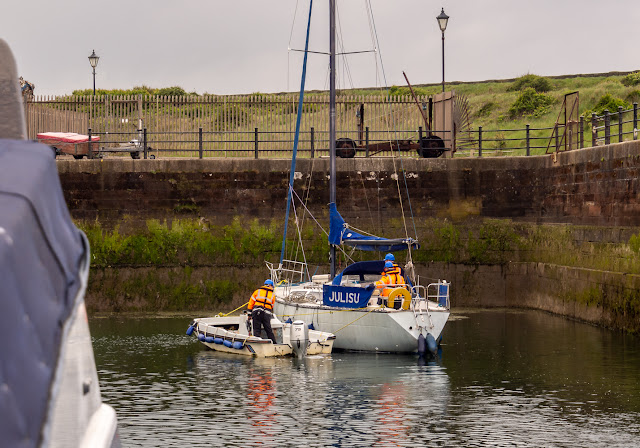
454,118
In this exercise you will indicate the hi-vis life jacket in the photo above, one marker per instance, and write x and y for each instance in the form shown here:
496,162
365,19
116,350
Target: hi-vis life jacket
391,277
262,297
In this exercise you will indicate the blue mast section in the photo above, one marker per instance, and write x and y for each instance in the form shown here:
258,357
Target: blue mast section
297,135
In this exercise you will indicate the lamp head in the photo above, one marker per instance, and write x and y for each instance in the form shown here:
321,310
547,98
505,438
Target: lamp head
93,59
442,20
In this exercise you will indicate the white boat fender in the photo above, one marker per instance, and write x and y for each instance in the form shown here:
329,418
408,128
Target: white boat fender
227,343
218,340
238,345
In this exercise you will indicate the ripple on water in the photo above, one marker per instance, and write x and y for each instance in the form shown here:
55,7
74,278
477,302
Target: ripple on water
168,391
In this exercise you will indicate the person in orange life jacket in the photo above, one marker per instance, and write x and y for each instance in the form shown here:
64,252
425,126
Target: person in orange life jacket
391,277
261,307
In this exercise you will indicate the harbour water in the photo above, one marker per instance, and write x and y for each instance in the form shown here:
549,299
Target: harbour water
504,378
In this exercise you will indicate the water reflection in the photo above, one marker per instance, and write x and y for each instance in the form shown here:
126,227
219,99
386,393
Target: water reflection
504,378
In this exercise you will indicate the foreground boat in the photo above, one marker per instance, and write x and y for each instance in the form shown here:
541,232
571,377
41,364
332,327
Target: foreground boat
49,390
231,334
345,304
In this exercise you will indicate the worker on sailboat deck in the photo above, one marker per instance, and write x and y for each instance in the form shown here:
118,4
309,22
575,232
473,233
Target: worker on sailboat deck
390,257
261,307
391,278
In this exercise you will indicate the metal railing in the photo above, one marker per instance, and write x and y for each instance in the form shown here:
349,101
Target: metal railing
605,129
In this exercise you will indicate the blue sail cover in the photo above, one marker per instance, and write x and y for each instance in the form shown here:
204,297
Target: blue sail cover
339,234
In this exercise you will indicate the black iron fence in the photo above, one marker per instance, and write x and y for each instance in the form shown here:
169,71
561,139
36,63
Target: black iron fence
611,127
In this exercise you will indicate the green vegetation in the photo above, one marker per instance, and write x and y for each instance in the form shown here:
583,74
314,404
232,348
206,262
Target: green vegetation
138,90
531,103
632,79
610,103
538,83
189,242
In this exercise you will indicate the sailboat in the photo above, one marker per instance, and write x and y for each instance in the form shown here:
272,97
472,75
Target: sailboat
345,303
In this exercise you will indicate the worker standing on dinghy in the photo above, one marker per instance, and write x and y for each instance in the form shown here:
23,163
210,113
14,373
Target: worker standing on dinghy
261,307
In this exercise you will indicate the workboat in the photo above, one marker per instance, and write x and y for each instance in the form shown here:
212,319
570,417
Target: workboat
413,316
231,334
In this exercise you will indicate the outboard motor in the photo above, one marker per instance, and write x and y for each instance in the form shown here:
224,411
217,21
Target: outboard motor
299,338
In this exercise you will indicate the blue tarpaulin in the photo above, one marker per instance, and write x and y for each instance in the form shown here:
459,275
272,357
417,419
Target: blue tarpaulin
339,233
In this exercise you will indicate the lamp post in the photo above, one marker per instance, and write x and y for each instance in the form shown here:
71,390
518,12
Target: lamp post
93,60
442,22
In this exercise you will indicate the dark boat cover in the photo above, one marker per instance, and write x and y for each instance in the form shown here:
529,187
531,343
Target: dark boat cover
41,251
339,233
363,268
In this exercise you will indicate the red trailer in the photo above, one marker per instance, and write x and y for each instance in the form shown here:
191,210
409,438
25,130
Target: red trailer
71,143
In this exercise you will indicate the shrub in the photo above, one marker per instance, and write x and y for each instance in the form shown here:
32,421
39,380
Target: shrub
610,103
531,103
486,109
632,79
633,96
171,91
538,83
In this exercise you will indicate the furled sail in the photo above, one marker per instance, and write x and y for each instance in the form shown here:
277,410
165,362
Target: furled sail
339,233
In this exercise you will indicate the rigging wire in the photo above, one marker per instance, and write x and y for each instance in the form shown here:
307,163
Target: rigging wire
293,23
297,134
395,131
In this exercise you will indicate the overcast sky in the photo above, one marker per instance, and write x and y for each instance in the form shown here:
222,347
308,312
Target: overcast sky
240,46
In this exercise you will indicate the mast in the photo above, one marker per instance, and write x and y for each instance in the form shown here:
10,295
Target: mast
332,120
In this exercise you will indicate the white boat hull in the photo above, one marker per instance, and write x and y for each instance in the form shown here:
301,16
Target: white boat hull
371,329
